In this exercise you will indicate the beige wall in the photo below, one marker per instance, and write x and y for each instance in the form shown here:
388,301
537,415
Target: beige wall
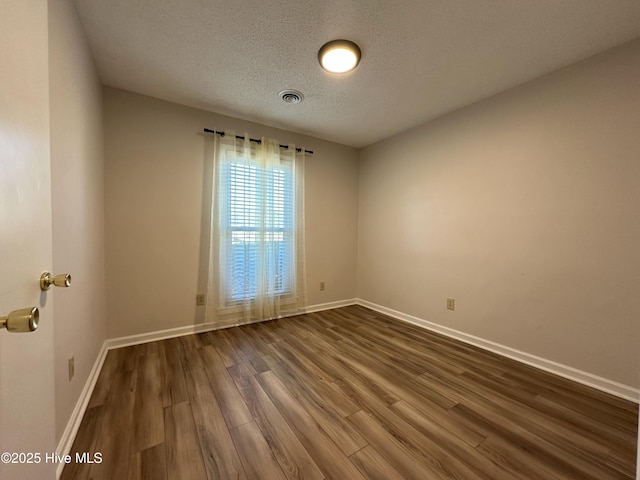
77,205
154,162
525,209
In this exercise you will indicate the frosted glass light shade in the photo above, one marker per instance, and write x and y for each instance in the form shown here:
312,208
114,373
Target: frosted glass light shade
339,56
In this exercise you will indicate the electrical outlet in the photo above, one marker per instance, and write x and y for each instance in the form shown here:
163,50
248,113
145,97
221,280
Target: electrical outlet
200,299
72,367
322,285
451,303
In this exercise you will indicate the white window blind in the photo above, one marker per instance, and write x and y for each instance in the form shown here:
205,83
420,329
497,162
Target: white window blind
258,223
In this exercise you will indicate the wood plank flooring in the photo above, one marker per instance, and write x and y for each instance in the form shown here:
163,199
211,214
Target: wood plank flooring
344,394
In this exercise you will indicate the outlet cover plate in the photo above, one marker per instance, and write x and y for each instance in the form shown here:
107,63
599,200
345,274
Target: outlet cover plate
451,303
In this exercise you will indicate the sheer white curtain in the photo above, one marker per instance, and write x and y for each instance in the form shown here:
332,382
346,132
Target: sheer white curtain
256,255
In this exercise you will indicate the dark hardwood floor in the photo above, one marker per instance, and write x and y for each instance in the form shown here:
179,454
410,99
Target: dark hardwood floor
344,394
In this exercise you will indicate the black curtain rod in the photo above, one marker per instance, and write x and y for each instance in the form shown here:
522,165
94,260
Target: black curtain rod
255,140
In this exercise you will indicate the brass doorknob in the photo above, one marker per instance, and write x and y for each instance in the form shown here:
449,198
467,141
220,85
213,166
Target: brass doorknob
23,320
62,280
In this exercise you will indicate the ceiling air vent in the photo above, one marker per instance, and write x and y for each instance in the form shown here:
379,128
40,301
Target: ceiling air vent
291,96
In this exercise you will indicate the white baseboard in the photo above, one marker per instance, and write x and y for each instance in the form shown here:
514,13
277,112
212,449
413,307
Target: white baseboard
71,430
204,327
585,378
330,305
158,335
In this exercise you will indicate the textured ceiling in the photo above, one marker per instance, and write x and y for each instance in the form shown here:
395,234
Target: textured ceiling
421,58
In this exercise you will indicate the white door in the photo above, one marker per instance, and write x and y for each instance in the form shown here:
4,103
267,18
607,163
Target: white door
27,424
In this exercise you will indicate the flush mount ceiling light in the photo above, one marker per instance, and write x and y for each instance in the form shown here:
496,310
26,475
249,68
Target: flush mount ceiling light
339,56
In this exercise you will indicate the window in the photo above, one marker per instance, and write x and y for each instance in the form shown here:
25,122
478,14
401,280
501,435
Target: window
259,230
